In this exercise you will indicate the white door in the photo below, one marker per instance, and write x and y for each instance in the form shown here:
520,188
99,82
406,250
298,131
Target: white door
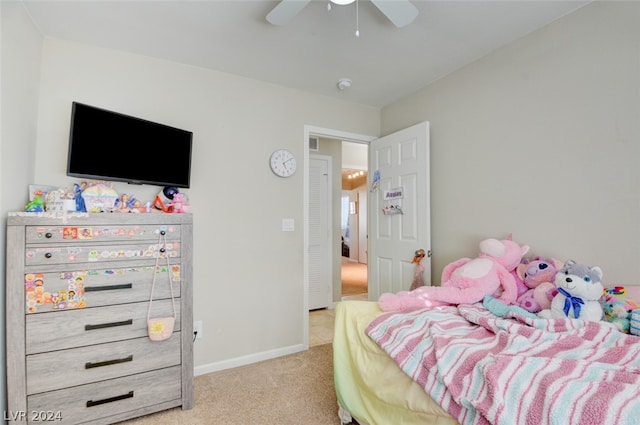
402,160
319,232
362,226
354,230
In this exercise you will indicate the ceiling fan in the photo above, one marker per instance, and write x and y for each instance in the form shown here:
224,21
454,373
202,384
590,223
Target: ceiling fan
399,12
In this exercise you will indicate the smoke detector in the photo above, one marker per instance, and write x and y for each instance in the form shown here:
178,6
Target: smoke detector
344,83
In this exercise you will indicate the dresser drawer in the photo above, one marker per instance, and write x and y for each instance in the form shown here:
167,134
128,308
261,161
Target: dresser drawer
107,233
78,366
55,291
115,396
59,330
91,253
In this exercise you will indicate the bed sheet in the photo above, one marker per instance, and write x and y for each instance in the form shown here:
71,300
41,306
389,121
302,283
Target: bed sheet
369,385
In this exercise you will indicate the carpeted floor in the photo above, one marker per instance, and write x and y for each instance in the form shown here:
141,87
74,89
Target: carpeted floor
296,390
354,278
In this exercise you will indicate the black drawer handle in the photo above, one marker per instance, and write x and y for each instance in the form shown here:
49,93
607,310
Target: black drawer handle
91,403
108,287
108,325
48,255
91,365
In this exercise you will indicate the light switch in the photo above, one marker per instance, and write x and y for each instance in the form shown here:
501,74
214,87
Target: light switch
288,225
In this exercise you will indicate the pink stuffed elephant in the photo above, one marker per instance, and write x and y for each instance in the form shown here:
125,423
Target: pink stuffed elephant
467,281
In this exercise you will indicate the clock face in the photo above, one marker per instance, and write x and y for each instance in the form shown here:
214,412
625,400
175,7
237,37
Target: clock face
283,163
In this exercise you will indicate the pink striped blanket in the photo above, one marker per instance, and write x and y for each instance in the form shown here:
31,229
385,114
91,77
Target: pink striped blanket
514,369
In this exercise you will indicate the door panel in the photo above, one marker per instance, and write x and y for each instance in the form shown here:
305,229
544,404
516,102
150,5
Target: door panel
319,233
402,159
363,227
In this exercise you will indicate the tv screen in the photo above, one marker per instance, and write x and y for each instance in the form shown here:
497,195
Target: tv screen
106,145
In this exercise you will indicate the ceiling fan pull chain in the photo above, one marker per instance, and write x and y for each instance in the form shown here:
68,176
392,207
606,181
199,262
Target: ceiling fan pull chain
357,22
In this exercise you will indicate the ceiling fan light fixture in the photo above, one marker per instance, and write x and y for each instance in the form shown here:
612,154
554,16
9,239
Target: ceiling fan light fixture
342,2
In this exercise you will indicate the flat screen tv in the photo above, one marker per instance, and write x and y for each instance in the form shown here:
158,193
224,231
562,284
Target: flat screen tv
106,145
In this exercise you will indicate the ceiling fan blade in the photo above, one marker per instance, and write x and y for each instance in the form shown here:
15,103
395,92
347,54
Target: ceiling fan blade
285,11
400,12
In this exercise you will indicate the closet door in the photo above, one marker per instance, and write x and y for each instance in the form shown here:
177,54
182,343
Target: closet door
319,233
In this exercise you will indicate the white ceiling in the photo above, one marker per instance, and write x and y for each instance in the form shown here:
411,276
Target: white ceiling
316,49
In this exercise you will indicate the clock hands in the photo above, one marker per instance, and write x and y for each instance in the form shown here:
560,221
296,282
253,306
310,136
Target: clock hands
284,163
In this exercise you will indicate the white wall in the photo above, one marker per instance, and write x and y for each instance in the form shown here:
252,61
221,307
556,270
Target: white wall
19,74
248,274
542,139
355,155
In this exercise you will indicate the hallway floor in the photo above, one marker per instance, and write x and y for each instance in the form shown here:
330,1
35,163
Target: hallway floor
321,323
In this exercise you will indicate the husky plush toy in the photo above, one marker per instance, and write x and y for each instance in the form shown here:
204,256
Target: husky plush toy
579,291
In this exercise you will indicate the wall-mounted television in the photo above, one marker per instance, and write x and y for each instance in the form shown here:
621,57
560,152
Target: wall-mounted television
106,145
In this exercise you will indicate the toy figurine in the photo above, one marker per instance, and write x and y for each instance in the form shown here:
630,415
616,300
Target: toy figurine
177,206
78,188
418,276
123,203
36,204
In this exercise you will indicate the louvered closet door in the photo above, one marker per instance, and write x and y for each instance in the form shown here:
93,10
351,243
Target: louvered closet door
319,233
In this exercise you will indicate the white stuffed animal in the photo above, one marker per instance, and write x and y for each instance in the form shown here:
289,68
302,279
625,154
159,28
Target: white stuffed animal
579,291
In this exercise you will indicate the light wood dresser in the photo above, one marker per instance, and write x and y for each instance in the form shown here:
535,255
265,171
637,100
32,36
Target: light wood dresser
77,292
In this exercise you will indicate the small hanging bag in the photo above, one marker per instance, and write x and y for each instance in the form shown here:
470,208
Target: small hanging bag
161,328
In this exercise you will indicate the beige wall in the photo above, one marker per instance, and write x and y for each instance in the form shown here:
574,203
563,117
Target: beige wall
21,48
542,139
248,274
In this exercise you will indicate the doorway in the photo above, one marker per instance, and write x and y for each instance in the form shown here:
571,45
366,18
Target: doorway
398,219
353,220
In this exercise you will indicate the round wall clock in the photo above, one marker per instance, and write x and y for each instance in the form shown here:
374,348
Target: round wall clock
283,163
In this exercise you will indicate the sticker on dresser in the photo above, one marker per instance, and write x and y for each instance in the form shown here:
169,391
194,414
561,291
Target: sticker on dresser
95,288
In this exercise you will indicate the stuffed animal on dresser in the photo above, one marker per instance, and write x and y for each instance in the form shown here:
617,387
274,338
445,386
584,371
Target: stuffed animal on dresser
467,281
579,291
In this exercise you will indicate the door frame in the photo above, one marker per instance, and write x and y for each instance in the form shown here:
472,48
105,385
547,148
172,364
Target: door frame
310,130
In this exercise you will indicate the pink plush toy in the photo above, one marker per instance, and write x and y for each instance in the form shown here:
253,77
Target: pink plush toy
538,276
519,278
177,204
467,281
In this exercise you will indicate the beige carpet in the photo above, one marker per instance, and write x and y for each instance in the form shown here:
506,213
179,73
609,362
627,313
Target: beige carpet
354,278
296,390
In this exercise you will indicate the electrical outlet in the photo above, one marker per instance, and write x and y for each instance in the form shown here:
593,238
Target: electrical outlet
197,329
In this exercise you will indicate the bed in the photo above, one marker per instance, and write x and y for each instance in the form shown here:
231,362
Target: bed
370,387
485,363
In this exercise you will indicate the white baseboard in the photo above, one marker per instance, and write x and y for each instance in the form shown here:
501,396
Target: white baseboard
245,360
